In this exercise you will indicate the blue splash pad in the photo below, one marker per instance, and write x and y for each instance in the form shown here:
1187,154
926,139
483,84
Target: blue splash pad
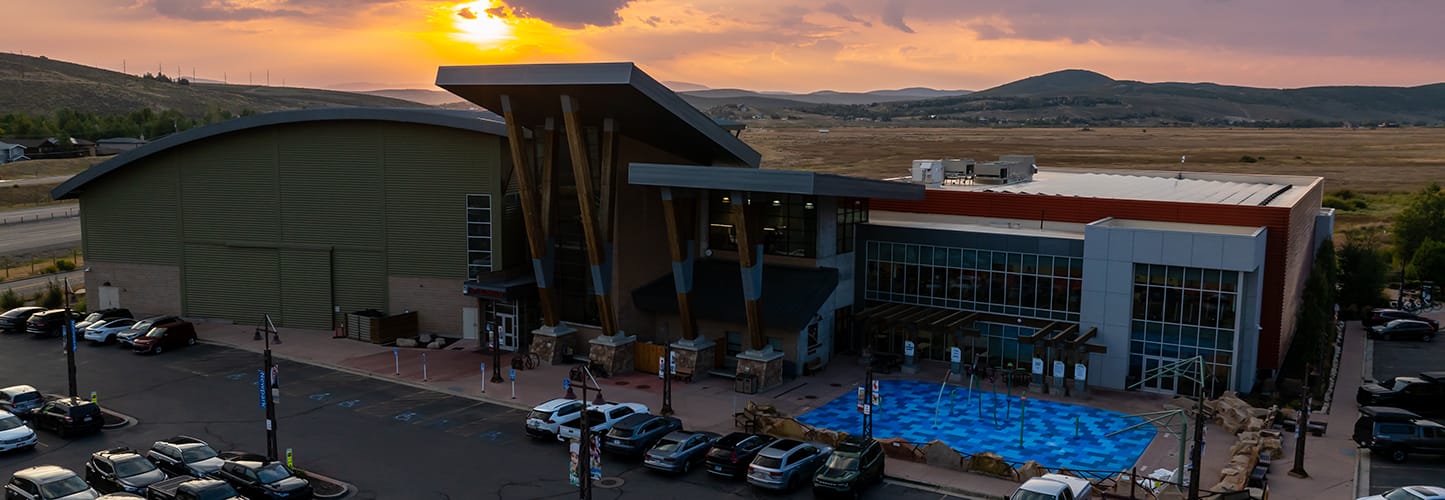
966,422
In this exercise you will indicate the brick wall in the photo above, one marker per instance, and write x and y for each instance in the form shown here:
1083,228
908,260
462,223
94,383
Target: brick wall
437,301
145,289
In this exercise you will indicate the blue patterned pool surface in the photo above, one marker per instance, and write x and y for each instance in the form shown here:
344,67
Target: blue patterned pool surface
967,423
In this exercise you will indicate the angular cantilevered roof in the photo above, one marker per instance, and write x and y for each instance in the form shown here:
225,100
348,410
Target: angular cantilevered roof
769,181
641,107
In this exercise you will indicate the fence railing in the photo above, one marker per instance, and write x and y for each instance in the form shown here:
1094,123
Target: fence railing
20,219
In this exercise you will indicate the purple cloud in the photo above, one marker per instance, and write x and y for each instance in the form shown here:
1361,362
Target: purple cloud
571,13
842,11
893,15
216,10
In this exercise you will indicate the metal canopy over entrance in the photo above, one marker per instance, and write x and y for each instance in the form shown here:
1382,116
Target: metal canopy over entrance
935,330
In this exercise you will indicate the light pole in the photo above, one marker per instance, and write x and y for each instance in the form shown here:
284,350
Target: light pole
270,388
666,370
584,447
69,328
1302,424
496,336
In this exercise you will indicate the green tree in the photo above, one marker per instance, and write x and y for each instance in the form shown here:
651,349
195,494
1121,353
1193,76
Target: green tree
10,300
53,297
1429,261
1362,273
1423,217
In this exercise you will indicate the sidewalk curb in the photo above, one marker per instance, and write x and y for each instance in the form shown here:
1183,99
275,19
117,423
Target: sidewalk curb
350,489
941,489
128,420
374,376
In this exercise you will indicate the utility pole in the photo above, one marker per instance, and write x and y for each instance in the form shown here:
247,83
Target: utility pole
868,403
69,328
270,388
584,448
1302,423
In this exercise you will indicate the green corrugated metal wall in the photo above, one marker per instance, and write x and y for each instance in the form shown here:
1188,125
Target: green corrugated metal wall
298,220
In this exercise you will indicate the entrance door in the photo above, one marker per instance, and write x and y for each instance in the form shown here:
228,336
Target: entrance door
507,329
109,297
470,323
1164,383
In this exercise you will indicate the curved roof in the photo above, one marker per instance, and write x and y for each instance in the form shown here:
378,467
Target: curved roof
477,121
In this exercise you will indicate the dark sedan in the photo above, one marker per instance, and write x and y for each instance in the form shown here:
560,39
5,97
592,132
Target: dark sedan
637,432
1404,328
730,456
13,321
1380,316
256,478
679,451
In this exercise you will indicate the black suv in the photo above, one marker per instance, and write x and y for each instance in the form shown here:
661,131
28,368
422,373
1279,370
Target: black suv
637,432
1404,328
257,478
13,321
121,469
47,323
185,456
68,416
730,456
1397,433
856,463
102,316
1424,394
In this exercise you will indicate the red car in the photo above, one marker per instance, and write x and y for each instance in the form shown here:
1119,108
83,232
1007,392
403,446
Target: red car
160,337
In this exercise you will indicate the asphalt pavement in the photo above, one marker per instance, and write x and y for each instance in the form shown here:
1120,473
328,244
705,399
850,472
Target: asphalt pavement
17,239
32,286
392,441
34,180
1400,358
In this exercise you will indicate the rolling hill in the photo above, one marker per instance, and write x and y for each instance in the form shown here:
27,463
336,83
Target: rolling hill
41,85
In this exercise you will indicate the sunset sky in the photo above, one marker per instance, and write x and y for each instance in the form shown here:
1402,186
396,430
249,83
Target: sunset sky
788,45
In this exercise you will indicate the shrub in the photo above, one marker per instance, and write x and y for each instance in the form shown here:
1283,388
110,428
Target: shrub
1248,159
65,265
10,300
53,297
1331,201
51,269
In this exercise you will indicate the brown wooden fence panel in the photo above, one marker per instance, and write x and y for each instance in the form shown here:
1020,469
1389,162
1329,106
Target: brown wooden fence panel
647,358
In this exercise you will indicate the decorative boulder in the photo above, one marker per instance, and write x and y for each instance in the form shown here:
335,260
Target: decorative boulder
435,344
1030,470
786,427
990,464
939,454
1271,447
425,338
404,342
899,449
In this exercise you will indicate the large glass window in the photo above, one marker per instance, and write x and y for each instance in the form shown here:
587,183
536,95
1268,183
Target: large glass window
1180,313
851,212
1026,285
790,224
479,234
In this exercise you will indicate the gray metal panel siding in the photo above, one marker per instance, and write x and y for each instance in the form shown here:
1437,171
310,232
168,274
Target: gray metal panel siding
234,283
331,182
229,189
358,280
429,172
134,221
305,288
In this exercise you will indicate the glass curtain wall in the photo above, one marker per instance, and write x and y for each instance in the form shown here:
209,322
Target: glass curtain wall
790,224
479,234
1179,313
1016,284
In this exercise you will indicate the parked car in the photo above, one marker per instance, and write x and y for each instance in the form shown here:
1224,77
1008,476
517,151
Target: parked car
185,456
14,434
637,432
102,316
118,496
1411,493
679,451
22,400
545,418
165,336
1380,316
1404,328
855,464
1054,487
192,488
68,417
1424,394
48,482
730,456
600,419
142,327
259,479
105,331
1397,433
121,470
48,323
13,321
787,463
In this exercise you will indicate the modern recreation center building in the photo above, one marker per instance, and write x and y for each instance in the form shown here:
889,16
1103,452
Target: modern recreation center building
597,215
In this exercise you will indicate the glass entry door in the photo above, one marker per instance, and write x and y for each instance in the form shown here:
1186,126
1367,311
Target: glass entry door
507,329
1164,383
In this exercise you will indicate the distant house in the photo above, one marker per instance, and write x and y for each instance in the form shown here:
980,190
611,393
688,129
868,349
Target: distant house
11,152
120,143
52,147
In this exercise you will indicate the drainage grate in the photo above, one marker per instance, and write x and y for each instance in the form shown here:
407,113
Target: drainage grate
609,482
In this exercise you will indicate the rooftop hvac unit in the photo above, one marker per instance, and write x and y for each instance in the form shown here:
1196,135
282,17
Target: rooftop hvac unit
928,172
1026,160
956,168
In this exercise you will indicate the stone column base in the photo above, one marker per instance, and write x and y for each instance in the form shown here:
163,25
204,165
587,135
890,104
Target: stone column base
694,357
551,342
613,353
1079,389
766,365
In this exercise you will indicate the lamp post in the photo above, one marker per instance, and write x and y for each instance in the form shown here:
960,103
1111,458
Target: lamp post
69,328
666,369
270,388
584,447
1302,424
496,337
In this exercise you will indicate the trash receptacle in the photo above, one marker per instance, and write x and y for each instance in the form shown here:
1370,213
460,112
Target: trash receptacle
747,383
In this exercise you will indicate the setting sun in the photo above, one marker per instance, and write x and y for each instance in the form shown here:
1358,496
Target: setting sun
478,26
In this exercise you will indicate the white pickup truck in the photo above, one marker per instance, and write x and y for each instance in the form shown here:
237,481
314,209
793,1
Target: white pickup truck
1054,487
601,417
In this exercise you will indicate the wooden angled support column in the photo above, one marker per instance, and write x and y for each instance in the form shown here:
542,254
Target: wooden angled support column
679,210
549,341
759,362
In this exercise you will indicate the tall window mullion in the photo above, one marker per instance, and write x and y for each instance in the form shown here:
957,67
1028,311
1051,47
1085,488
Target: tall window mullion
479,234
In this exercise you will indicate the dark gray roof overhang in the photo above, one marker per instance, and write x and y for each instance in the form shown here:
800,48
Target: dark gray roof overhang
477,121
643,108
769,181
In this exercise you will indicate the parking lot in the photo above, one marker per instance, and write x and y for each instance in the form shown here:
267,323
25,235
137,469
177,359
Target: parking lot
389,440
1398,358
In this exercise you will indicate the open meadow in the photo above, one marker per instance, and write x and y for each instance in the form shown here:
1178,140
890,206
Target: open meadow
1379,166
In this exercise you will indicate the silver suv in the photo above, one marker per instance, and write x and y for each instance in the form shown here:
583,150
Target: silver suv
787,463
50,483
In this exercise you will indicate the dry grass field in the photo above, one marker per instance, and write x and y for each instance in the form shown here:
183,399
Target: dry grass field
1381,164
31,169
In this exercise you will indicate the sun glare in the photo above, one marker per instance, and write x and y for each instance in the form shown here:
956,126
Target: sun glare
477,26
